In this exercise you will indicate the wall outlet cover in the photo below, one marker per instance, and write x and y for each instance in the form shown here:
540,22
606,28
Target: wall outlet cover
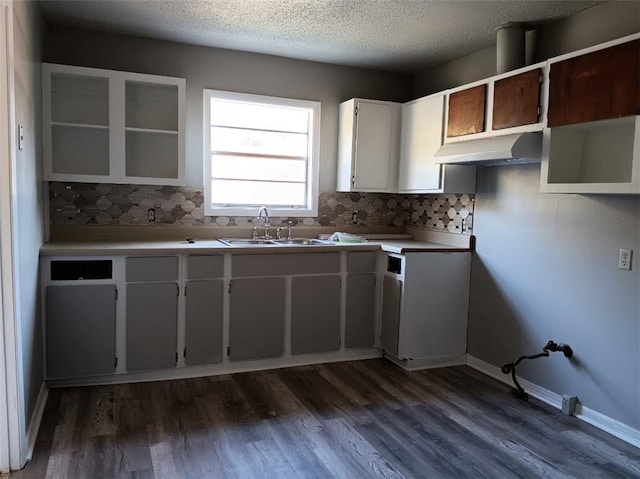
624,259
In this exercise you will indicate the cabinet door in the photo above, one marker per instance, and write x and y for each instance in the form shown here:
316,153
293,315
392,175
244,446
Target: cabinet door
466,111
76,130
315,314
203,341
256,328
391,302
595,86
152,129
422,124
516,100
81,327
152,310
360,321
373,149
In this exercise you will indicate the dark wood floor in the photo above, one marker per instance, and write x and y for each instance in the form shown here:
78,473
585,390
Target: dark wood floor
361,419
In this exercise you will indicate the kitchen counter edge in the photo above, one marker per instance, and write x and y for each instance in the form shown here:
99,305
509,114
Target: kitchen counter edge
157,248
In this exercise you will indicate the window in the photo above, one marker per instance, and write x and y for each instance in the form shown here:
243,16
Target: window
260,150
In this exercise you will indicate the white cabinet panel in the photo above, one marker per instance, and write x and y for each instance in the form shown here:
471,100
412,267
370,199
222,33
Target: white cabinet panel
421,137
112,127
368,146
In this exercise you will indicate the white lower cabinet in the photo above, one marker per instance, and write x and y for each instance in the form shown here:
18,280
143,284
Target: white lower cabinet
203,309
360,308
81,326
256,318
151,312
425,306
151,316
315,314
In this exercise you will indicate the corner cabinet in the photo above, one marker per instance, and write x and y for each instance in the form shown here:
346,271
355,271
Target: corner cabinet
368,145
592,140
421,137
108,126
424,308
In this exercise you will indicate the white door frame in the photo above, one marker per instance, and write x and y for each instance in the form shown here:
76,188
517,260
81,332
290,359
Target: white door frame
11,442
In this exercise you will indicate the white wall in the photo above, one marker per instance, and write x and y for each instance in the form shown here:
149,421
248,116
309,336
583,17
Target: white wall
233,71
545,266
27,198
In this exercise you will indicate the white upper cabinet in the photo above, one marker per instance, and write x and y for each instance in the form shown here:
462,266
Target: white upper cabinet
368,146
508,103
421,137
592,140
112,127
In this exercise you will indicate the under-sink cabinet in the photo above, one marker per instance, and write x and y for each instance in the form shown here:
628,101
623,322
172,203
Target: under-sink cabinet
256,318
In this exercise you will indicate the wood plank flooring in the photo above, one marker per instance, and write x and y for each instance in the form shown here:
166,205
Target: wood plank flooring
360,419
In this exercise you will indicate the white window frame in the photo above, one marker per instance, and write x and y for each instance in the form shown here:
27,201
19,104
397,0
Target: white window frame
313,166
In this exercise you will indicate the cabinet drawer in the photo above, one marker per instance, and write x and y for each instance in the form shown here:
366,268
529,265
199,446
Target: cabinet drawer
362,262
282,264
81,269
164,268
203,267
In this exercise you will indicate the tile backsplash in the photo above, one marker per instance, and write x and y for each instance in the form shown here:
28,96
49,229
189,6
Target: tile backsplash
110,204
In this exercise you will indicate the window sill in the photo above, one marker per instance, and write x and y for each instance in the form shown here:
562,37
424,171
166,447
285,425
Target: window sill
253,211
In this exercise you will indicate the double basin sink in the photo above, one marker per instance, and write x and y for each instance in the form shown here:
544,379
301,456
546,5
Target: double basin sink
274,242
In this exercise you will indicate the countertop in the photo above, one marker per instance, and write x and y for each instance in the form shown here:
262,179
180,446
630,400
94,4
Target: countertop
103,248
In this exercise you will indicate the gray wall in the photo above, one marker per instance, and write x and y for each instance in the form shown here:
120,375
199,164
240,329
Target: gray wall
234,71
28,200
599,24
546,265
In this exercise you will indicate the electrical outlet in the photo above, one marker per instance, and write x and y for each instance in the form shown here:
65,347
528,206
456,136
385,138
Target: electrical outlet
569,404
151,215
624,259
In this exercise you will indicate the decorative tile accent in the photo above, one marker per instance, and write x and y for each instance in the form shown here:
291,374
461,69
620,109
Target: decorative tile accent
107,204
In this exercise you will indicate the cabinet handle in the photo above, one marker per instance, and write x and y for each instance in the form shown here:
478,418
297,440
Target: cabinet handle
177,292
115,362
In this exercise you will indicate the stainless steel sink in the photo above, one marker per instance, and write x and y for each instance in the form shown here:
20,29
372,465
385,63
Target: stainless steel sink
273,242
246,242
302,241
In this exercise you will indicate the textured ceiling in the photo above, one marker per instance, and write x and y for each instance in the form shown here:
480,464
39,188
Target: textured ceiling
399,35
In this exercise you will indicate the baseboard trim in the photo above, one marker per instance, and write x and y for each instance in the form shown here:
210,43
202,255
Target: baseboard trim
36,420
431,363
226,367
607,424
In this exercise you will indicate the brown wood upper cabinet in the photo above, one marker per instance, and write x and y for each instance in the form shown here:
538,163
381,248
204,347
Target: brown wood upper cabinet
595,86
516,100
466,111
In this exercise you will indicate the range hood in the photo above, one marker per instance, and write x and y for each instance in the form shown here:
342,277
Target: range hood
497,150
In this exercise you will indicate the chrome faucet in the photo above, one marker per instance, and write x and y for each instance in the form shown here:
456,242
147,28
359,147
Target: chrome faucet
263,211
